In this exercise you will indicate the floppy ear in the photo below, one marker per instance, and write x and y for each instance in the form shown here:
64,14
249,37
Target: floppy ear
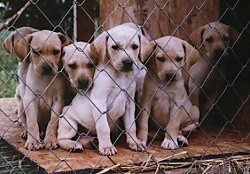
233,34
192,55
147,49
197,37
99,47
64,39
22,47
14,37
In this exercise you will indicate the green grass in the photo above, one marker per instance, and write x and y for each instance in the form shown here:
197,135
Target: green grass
8,70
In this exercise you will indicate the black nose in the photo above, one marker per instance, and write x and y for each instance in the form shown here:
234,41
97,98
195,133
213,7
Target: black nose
170,76
127,63
83,83
47,69
219,52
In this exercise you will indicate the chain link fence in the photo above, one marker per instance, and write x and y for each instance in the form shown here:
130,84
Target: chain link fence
210,63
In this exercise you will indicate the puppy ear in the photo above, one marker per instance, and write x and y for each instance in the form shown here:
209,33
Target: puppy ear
233,34
22,47
99,47
197,37
14,37
147,50
192,55
64,39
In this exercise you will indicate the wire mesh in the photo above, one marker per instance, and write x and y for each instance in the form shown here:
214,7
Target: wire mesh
90,121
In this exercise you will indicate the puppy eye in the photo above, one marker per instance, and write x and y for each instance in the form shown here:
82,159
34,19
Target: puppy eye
56,52
36,52
161,59
115,47
72,65
209,39
134,47
90,65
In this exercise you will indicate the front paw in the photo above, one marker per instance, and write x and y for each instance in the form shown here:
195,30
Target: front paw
50,143
107,150
137,145
33,145
169,144
182,141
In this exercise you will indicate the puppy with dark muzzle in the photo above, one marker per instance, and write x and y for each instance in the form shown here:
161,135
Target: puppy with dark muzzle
41,90
164,96
208,76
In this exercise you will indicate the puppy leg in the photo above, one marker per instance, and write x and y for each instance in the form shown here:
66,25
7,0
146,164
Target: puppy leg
101,121
103,134
130,127
50,139
67,129
33,138
172,129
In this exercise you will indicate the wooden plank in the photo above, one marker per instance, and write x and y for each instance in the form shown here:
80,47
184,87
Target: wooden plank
160,18
208,140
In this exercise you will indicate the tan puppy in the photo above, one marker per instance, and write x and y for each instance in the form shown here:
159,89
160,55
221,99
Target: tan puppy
41,89
164,95
209,73
80,66
112,95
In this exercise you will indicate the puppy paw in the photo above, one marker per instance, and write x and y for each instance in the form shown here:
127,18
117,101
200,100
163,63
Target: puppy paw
51,144
76,147
182,141
169,144
137,145
107,150
33,145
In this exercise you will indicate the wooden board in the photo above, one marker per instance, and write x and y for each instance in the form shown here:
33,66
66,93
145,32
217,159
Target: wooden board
208,140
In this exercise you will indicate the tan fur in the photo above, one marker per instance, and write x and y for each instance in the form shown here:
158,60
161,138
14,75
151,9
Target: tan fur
41,93
164,95
212,41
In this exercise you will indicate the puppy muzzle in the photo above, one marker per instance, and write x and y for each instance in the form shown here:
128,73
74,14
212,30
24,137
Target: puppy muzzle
170,77
127,65
47,70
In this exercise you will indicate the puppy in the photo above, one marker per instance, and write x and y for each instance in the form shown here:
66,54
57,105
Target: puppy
112,95
214,41
41,89
164,95
80,65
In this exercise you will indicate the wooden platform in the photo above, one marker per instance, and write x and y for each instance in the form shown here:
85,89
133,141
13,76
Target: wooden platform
208,140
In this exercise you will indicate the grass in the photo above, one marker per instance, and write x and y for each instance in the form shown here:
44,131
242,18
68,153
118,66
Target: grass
8,70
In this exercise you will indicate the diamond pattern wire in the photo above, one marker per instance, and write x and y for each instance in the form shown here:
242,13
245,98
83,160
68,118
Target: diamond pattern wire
221,140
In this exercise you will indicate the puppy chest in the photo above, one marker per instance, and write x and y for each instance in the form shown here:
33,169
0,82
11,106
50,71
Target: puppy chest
117,102
161,108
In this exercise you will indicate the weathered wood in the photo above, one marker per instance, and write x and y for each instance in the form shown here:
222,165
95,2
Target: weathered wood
84,24
160,17
208,140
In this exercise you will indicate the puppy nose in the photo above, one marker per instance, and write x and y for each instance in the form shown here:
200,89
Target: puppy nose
127,63
83,83
47,68
219,52
170,76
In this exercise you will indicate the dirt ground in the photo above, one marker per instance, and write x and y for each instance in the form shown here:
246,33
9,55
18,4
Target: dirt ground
208,140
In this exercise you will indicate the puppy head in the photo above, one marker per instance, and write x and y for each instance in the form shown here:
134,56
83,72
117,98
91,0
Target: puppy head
121,46
168,58
10,42
79,65
214,38
44,50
